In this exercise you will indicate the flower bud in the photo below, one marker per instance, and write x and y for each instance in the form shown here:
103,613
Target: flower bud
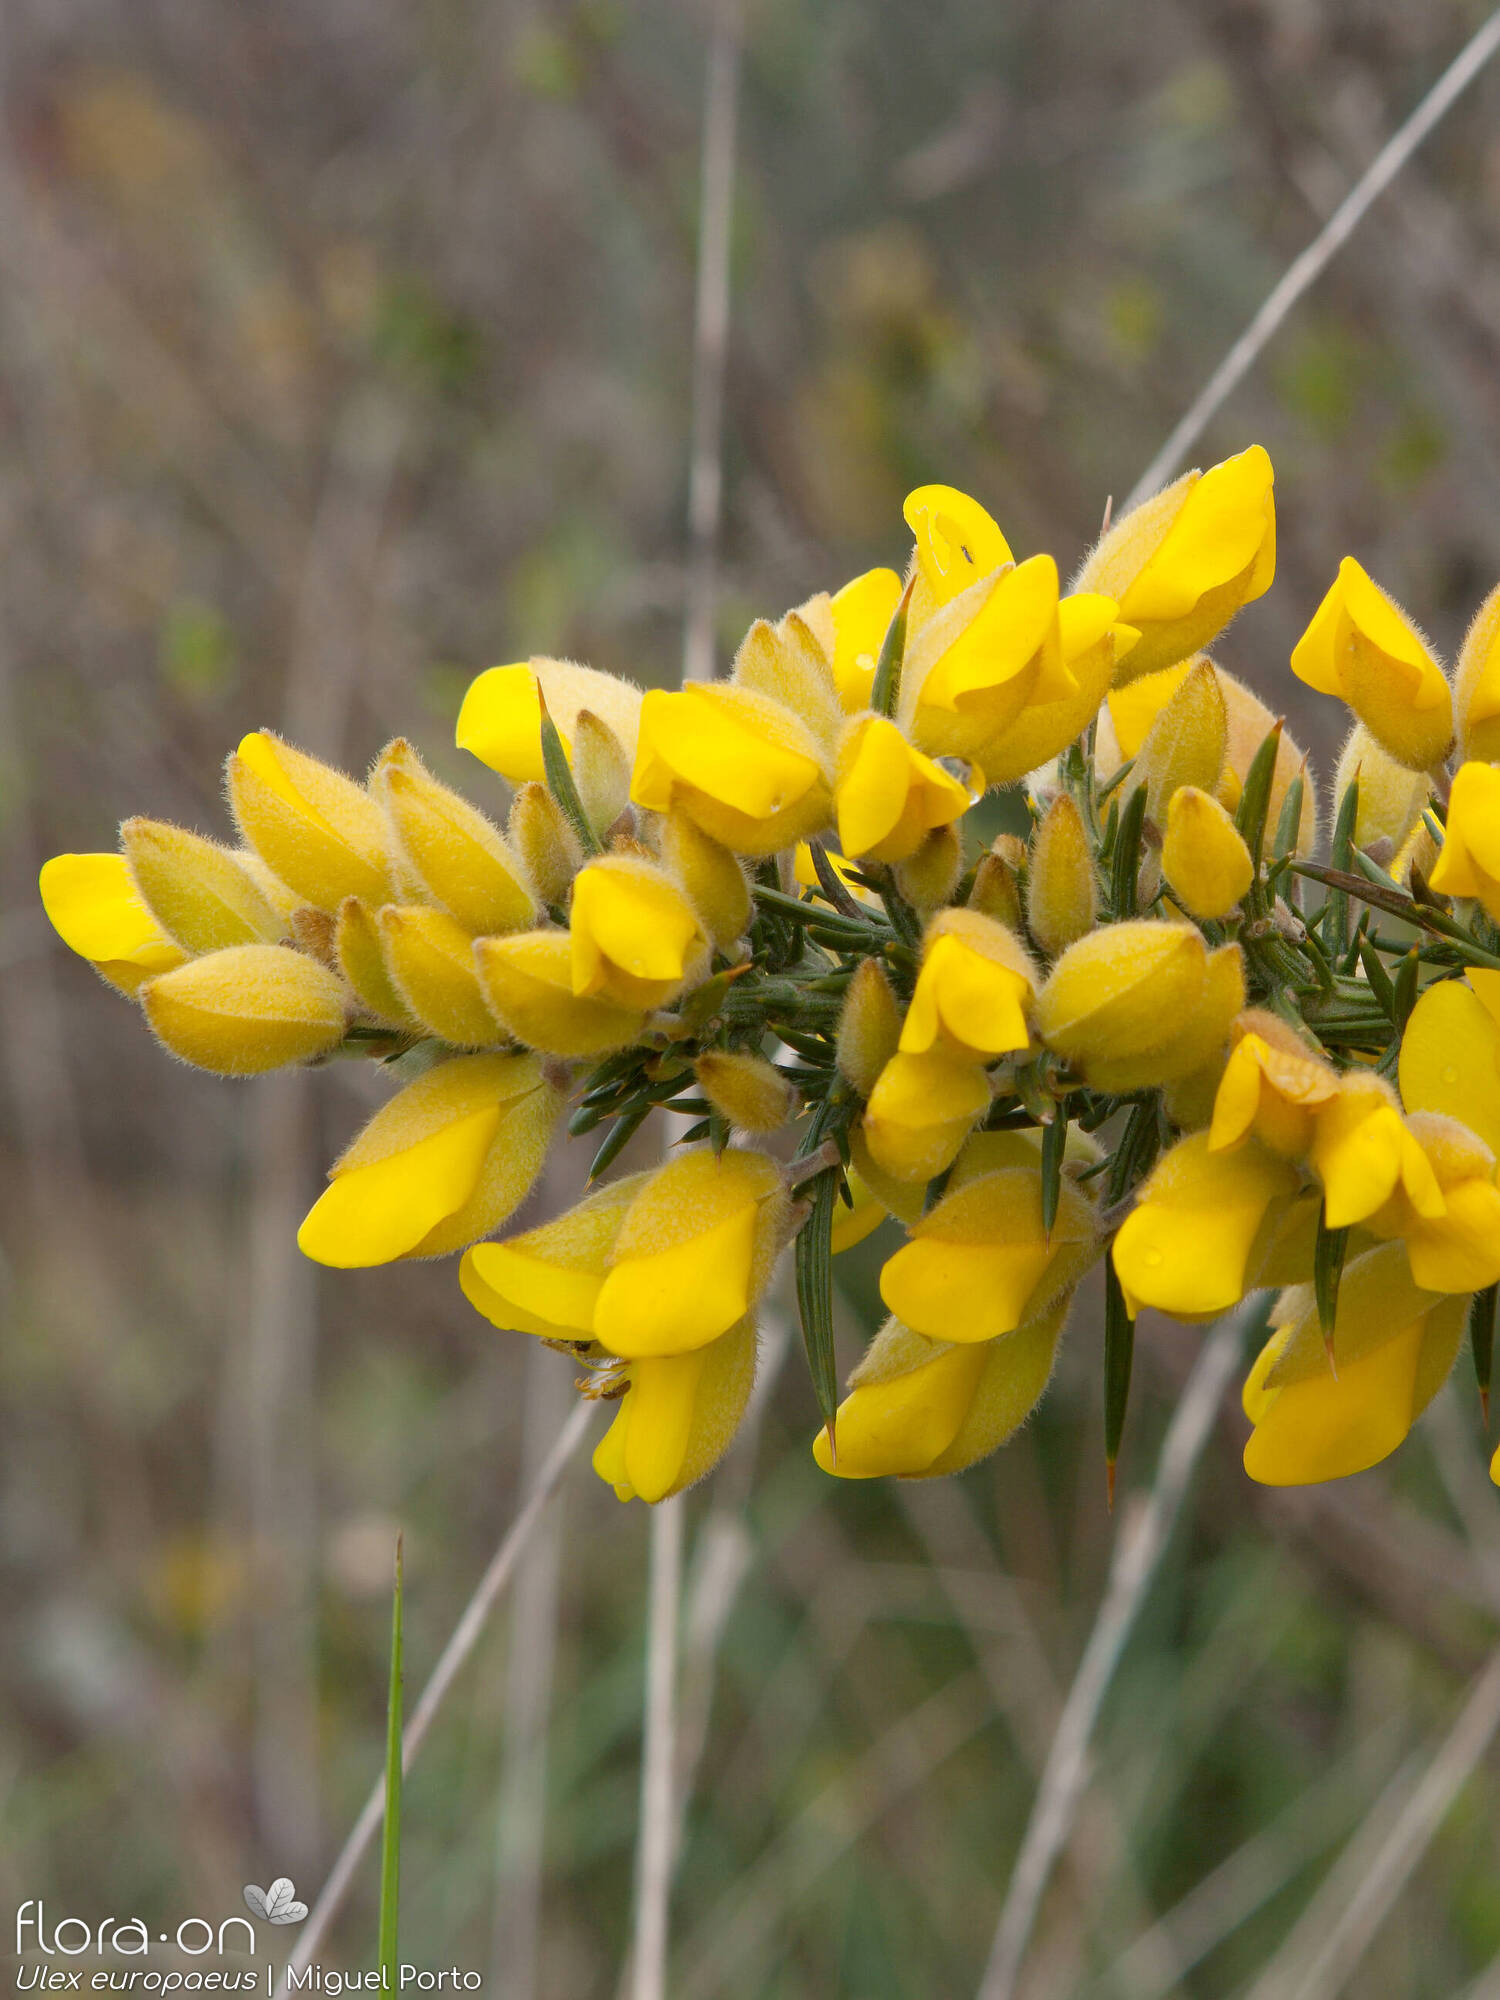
249,1008
1450,1054
636,939
357,948
1272,1087
94,906
1188,1245
1204,856
457,856
785,663
919,1408
997,883
1476,685
693,1254
741,766
869,1028
527,981
1393,1348
1391,798
975,664
1469,863
921,1110
197,890
547,1281
1362,647
747,1090
319,831
889,797
678,1417
547,845
1185,744
1363,1152
973,992
500,721
430,958
1184,562
1062,894
1123,993
928,878
981,1262
1092,643
714,880
956,544
443,1163
601,772
861,615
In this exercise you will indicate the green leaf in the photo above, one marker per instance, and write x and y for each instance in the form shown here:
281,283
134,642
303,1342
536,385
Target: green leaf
1289,820
1404,988
1336,910
814,1260
560,781
1119,1353
623,1131
1125,866
1482,1340
390,1840
885,690
1255,799
1328,1268
1379,978
1054,1141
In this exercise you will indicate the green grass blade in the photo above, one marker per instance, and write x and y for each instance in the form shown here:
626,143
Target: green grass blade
814,1262
390,1839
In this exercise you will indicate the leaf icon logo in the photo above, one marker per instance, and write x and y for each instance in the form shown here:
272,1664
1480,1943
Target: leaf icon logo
278,1904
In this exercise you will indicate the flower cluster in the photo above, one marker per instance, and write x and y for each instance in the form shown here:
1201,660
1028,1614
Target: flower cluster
1148,1029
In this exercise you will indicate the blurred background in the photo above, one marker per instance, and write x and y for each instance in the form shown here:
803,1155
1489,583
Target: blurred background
344,351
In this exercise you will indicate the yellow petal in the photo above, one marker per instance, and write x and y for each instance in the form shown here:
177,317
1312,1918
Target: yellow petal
1327,1428
373,1213
679,1298
96,909
862,612
957,541
1185,1247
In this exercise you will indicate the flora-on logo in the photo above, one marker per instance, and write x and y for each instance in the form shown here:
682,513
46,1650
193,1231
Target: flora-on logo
278,1904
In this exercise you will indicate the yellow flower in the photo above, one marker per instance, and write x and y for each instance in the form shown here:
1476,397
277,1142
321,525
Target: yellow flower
1476,684
972,993
202,894
455,854
1188,1245
742,767
1136,1000
1393,1347
1459,1250
249,1008
980,1262
1184,562
430,959
1092,642
322,834
500,721
693,1254
547,1281
443,1163
1363,1152
788,664
862,612
1271,1088
957,543
677,1417
972,668
94,906
1203,855
528,984
869,1027
714,880
1469,862
636,939
888,796
1062,892
1362,647
1186,742
920,1112
1450,1054
919,1408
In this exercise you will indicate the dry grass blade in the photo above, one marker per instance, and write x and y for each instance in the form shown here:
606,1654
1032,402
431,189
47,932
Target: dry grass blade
1305,269
1143,1542
654,1855
461,1643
